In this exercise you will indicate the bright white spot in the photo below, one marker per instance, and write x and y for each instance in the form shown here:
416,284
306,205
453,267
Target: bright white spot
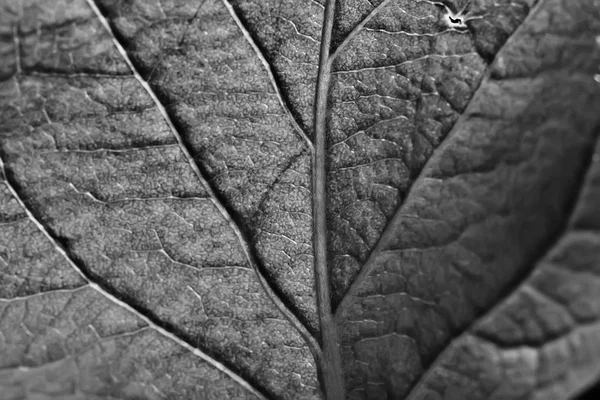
454,20
598,40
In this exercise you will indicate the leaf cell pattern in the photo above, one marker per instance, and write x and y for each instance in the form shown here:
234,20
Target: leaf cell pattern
362,199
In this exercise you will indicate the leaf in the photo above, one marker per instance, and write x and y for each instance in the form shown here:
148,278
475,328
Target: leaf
299,199
544,335
492,201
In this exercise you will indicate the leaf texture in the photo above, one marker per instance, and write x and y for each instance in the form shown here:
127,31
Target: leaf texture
397,89
219,93
129,207
299,199
485,208
542,341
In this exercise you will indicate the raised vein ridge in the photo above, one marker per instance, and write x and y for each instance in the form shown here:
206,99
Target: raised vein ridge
97,287
569,225
269,70
331,366
388,232
214,198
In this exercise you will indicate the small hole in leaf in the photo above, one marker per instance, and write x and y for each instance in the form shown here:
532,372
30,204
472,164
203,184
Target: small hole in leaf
455,21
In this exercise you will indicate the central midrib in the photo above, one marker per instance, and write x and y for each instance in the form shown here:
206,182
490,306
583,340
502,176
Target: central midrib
330,364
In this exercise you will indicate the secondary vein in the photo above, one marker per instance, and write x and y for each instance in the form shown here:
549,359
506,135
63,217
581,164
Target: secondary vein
388,232
242,239
569,226
269,69
89,279
356,30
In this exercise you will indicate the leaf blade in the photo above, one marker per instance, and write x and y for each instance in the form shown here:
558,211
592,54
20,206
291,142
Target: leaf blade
441,237
129,216
557,351
244,242
232,124
93,285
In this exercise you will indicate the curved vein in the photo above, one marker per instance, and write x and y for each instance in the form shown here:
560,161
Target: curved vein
269,70
96,286
388,232
569,226
357,29
244,242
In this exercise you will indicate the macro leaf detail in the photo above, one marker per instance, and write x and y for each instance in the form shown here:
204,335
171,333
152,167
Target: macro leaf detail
299,199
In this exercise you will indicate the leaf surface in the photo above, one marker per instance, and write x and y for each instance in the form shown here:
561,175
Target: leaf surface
487,206
299,199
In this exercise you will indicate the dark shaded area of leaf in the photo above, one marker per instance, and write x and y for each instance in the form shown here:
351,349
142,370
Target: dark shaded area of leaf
398,86
592,393
490,202
492,24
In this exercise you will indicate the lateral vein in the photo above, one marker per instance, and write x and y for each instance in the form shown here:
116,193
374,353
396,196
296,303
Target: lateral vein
569,226
244,242
388,233
96,286
356,30
269,70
